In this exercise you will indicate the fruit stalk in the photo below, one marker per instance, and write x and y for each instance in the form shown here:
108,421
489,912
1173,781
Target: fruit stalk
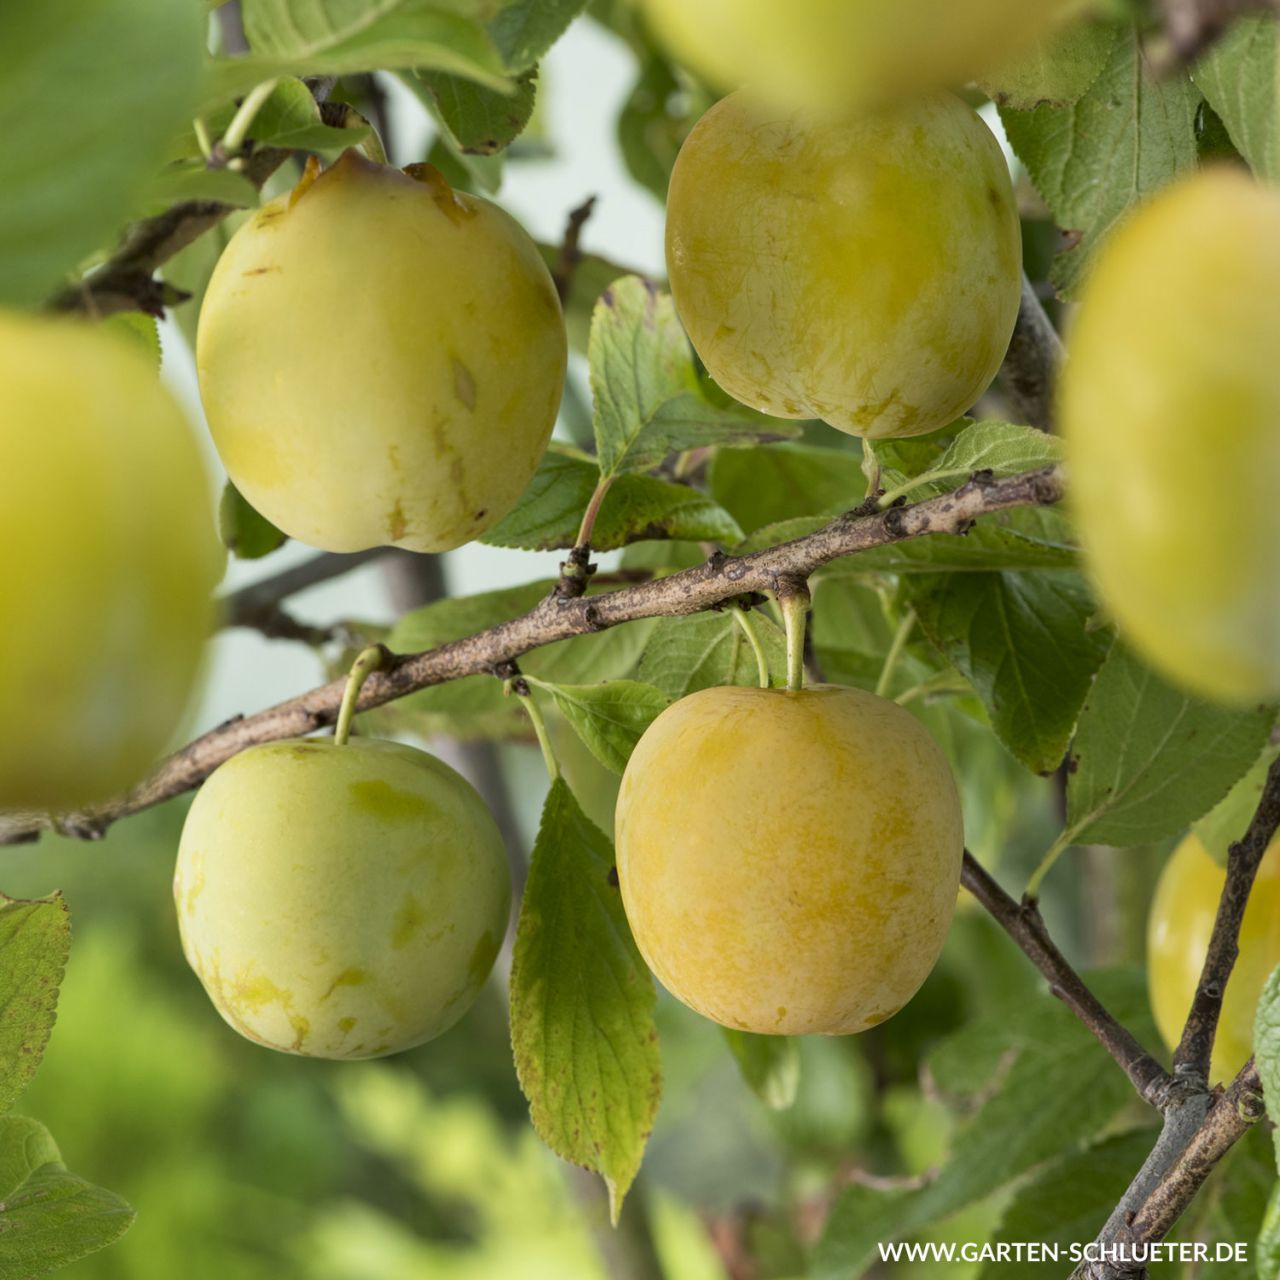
364,666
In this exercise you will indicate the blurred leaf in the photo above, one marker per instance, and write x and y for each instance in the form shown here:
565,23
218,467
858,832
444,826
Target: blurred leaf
609,717
193,180
1068,1202
769,1064
1059,1088
1268,1251
1003,448
290,118
635,509
1022,641
139,330
582,1003
48,1217
481,175
655,119
480,120
342,37
1229,819
246,533
524,30
1091,161
93,90
190,269
687,654
765,486
1148,759
1059,69
648,402
1266,1050
35,938
1239,78
591,277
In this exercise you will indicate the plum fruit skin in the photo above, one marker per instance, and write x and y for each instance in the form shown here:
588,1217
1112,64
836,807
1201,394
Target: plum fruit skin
106,599
866,272
1178,932
381,360
340,901
1170,407
789,862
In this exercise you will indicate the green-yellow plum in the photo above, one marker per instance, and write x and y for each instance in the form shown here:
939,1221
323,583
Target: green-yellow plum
835,55
789,861
340,901
1178,931
381,359
111,558
865,272
1170,405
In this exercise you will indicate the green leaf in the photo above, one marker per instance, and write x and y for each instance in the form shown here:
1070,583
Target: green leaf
92,90
1229,819
192,180
190,269
524,30
655,120
1238,77
1266,1048
1148,759
481,121
35,938
609,717
246,533
1268,1251
1023,642
290,118
481,175
591,277
1059,1088
343,37
1060,69
139,330
687,654
48,1217
760,487
1002,448
582,1003
1068,1201
648,402
636,509
769,1064
1091,161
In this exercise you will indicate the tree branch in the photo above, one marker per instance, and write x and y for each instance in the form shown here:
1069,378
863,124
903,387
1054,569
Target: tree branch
570,253
1191,1058
693,590
1024,924
1030,366
244,608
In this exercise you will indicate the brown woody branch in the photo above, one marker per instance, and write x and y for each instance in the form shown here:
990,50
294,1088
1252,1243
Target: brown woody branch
570,252
1024,924
1031,363
704,587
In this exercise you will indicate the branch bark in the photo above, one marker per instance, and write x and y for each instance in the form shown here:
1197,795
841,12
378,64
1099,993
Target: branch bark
694,590
1030,367
1024,924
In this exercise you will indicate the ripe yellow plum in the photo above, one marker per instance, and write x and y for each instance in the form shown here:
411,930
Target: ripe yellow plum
1170,405
381,359
832,55
1178,931
866,272
340,901
789,861
111,557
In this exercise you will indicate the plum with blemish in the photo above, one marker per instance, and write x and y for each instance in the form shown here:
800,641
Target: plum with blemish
340,901
381,359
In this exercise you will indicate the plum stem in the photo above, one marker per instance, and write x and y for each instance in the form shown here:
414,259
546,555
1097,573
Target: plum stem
794,602
742,616
520,687
362,668
238,129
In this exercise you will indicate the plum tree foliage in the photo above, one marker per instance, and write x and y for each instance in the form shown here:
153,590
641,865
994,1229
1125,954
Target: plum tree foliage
828,678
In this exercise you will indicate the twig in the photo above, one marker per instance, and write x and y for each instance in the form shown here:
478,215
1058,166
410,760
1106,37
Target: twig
691,591
570,254
1024,924
1191,1058
1191,26
247,606
1031,364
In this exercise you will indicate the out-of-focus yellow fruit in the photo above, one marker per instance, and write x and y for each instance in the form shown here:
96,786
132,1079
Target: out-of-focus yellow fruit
340,901
866,273
789,862
1178,931
1170,404
381,360
832,55
109,564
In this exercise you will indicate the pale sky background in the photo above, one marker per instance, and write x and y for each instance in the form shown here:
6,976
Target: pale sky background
583,83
